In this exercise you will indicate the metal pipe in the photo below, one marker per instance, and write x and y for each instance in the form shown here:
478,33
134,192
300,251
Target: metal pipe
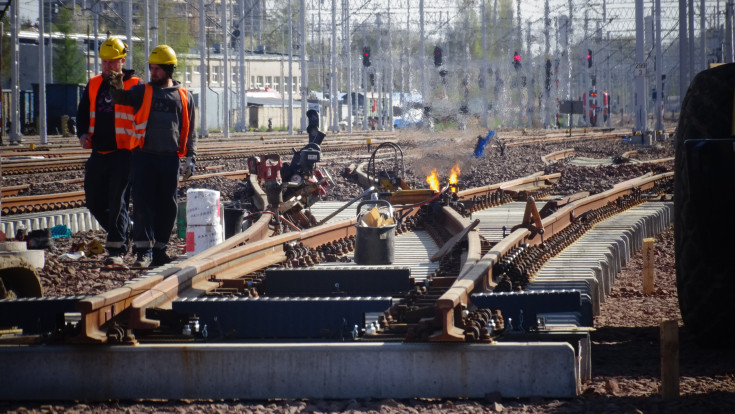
349,203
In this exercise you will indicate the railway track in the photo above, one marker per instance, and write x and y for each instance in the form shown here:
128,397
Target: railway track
506,264
67,158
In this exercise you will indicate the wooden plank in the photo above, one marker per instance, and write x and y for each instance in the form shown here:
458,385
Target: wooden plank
648,265
454,240
669,331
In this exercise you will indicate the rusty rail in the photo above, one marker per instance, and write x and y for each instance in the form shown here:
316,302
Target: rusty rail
14,204
100,309
532,181
558,155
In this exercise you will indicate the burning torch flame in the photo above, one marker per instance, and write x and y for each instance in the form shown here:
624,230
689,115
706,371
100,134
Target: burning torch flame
433,180
453,178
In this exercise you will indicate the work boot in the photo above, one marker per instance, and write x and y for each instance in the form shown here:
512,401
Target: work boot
114,261
114,257
145,257
160,258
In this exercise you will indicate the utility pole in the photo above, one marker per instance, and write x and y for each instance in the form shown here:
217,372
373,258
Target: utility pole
365,85
683,50
41,76
483,69
703,35
640,70
348,53
659,70
154,23
290,70
15,136
407,49
548,68
50,40
390,73
728,55
304,73
692,56
129,33
226,74
244,124
203,79
146,41
422,49
332,74
519,73
95,49
379,72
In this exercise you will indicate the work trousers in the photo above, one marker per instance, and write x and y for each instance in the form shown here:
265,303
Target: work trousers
107,191
155,179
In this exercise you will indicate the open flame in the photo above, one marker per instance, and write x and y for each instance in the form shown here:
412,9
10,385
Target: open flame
453,178
433,180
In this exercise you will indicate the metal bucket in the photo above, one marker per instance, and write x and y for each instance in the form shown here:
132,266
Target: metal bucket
375,245
233,220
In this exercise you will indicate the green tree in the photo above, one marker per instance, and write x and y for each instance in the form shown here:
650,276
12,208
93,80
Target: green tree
68,59
175,30
6,68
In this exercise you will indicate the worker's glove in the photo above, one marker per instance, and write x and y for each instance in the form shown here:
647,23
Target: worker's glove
188,168
116,80
85,141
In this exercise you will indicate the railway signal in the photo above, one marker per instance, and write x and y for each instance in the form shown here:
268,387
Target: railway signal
366,56
516,60
438,59
547,81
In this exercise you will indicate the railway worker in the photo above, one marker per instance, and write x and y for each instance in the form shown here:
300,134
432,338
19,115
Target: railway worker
164,133
107,129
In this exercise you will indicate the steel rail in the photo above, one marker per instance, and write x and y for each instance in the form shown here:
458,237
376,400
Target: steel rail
100,309
12,204
480,275
44,202
532,181
230,264
207,270
77,162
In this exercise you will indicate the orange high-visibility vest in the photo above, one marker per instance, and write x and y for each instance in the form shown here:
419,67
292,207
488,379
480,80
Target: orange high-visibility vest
123,113
141,119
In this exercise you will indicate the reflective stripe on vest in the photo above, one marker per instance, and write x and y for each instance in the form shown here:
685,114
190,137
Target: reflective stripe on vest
123,113
141,120
124,119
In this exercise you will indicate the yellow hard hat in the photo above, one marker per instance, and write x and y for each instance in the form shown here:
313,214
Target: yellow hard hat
162,55
113,48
